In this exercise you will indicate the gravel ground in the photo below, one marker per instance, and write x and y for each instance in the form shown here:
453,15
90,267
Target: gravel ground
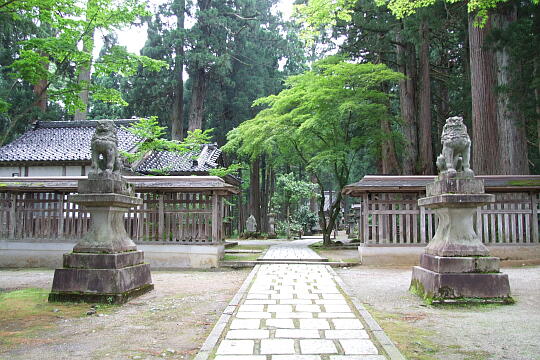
170,322
181,311
452,332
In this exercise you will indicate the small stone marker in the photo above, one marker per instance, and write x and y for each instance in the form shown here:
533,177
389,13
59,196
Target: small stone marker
105,265
251,224
456,264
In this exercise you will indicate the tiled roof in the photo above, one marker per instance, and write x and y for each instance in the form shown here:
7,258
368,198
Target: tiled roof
175,163
382,183
61,141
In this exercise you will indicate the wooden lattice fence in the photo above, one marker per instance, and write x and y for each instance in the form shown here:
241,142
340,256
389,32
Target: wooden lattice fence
391,216
183,217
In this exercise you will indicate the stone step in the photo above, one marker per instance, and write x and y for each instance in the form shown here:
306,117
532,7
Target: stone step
242,251
246,264
319,259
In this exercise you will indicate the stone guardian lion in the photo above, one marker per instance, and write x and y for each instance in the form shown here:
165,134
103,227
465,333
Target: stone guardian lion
105,156
455,156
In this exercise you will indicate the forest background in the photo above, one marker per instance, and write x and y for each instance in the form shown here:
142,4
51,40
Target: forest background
307,105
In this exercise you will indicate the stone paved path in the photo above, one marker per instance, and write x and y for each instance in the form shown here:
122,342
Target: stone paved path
294,312
295,250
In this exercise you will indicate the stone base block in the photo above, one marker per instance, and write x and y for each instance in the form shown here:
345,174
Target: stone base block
100,298
105,186
446,185
441,264
460,286
103,261
86,284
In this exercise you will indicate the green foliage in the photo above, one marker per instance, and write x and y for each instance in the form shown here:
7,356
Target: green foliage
317,14
290,190
49,44
403,8
305,217
323,120
224,171
321,15
152,139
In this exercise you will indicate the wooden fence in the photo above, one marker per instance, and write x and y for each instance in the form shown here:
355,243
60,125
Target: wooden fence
388,213
177,216
395,219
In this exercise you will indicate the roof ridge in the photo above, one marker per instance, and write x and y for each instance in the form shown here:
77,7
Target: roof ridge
79,123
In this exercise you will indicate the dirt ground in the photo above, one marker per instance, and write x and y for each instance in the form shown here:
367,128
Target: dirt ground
478,332
170,322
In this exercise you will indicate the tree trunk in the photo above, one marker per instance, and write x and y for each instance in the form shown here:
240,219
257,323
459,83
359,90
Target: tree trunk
254,207
389,161
407,65
84,71
241,208
177,113
537,98
198,94
313,201
84,81
40,92
333,212
425,151
264,195
485,148
510,120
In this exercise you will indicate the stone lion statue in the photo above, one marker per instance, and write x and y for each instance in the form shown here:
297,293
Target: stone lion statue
105,156
455,156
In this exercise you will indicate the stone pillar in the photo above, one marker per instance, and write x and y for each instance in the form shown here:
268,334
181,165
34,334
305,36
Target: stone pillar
456,265
105,265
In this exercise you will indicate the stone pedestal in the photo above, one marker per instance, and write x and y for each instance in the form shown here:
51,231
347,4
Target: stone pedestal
456,265
105,265
103,278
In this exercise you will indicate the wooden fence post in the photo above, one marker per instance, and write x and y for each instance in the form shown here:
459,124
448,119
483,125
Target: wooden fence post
534,217
479,229
61,215
365,208
13,216
423,224
161,217
217,219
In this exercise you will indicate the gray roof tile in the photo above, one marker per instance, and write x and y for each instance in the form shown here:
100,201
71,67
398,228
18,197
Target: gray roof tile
181,162
61,141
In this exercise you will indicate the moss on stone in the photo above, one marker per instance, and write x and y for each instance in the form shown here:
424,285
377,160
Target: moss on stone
524,182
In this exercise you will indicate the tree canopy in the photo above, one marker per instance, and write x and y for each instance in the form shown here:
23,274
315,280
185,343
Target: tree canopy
325,119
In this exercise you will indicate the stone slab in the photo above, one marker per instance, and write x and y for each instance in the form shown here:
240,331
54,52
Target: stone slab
103,261
447,185
459,264
346,334
297,334
456,200
243,324
248,334
101,200
358,347
101,281
236,347
460,285
104,186
277,346
318,346
114,298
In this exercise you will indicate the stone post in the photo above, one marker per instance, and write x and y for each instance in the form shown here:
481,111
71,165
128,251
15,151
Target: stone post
456,265
105,265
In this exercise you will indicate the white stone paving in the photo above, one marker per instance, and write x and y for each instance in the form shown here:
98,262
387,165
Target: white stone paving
296,312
